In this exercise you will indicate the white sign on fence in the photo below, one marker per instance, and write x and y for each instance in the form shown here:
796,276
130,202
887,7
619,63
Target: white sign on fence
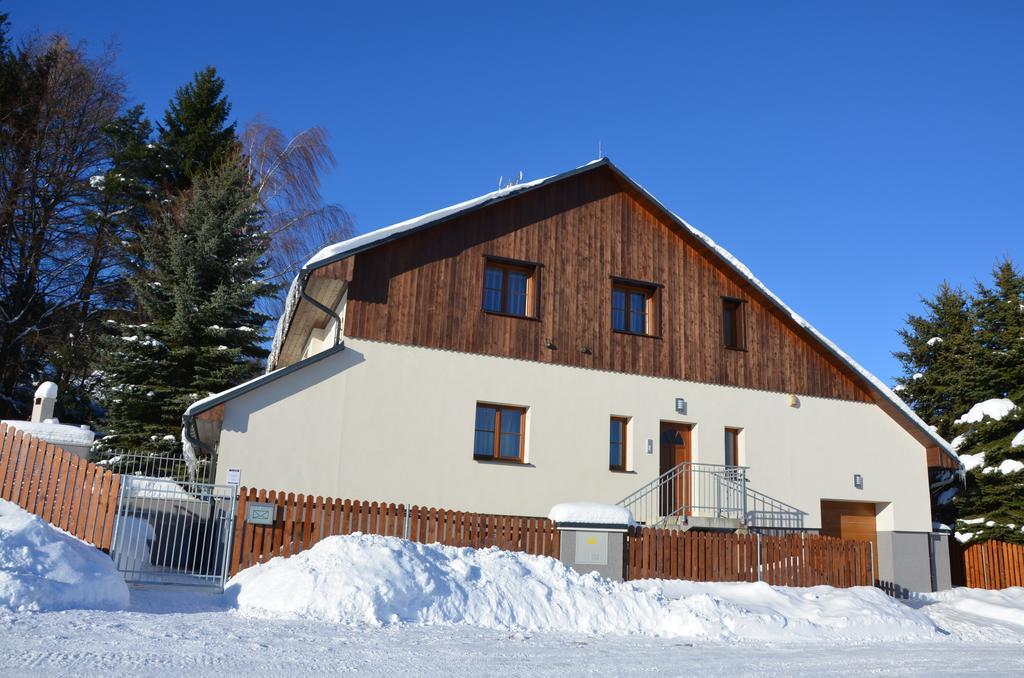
234,476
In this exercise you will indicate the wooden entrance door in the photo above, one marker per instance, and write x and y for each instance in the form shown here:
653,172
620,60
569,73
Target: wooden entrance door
850,520
675,450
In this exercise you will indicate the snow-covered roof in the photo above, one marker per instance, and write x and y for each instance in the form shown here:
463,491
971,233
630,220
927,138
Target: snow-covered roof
363,242
52,432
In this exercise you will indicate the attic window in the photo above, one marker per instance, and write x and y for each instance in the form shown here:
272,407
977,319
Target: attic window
634,310
510,288
734,333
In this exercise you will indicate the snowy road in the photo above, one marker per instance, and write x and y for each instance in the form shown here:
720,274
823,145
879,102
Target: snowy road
196,636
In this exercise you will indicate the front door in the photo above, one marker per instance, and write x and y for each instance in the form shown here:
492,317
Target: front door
675,450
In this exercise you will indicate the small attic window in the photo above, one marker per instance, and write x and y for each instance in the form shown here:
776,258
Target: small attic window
734,333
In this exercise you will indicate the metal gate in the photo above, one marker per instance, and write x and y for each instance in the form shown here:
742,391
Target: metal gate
174,533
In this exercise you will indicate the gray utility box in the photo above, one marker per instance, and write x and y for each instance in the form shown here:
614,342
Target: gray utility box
593,548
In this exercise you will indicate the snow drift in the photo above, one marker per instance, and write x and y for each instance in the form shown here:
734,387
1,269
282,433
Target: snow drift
43,568
363,579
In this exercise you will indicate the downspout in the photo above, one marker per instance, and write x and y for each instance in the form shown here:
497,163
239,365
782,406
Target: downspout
329,311
187,427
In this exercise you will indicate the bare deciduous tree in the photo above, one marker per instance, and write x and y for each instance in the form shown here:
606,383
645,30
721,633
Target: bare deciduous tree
286,172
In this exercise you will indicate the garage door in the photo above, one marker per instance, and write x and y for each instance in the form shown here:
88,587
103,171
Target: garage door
850,520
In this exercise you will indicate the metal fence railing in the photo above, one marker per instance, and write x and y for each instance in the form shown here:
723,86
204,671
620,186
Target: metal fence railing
173,466
169,533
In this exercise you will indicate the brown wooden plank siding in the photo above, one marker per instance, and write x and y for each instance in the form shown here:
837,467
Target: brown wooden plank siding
425,290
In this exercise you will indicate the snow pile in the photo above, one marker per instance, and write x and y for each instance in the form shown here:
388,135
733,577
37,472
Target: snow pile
976,614
591,513
43,568
54,432
993,408
363,579
1018,440
154,488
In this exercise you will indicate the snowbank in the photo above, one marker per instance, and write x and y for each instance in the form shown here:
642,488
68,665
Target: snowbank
994,408
362,579
976,614
43,568
591,513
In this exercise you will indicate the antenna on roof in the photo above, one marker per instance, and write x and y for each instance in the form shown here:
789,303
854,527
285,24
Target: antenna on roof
600,151
512,181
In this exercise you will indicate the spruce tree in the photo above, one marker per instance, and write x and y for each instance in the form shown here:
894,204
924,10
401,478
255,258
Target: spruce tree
200,277
992,507
196,135
968,349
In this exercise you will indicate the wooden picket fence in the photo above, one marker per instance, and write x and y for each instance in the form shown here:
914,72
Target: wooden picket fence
300,521
61,488
992,564
790,560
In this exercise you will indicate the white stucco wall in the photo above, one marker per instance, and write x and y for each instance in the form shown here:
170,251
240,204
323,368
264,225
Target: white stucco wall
395,423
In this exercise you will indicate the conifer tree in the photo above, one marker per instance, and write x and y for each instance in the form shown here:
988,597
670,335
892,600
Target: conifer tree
992,507
196,135
200,277
966,350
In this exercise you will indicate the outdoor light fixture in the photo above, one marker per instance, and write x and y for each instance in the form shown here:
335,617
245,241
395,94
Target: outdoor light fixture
680,406
794,401
858,481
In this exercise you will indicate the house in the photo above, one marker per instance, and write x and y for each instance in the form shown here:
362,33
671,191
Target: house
44,426
572,339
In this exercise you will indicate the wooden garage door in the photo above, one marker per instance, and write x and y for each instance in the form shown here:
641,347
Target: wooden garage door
850,520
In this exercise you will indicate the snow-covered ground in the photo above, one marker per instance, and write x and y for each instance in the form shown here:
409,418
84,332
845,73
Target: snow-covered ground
370,605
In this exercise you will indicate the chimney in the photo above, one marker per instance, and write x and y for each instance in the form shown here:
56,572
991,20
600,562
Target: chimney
46,397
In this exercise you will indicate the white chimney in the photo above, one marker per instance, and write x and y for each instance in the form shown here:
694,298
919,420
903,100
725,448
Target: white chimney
46,398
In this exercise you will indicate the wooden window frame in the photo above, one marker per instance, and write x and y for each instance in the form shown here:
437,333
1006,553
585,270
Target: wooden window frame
495,455
735,452
532,286
739,307
623,466
652,292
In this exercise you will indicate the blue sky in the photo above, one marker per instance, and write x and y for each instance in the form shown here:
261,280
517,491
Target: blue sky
854,155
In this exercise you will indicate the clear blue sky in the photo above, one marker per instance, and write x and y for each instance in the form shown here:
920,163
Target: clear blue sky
852,154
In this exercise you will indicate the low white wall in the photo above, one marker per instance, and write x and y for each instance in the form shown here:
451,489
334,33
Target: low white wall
381,421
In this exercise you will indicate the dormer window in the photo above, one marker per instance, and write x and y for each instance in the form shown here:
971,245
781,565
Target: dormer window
510,288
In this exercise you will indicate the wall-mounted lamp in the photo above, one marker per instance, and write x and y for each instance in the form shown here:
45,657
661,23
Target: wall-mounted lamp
680,406
858,481
793,400
650,446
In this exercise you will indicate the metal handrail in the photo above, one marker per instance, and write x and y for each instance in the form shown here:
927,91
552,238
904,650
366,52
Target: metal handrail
710,491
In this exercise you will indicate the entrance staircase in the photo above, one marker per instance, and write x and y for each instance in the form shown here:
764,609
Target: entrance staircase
709,497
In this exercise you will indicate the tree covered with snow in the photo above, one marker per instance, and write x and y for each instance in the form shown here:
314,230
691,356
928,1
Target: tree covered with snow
197,276
963,365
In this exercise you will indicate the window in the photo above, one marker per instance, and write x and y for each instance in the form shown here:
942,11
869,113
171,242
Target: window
499,432
732,447
509,288
617,444
733,329
632,308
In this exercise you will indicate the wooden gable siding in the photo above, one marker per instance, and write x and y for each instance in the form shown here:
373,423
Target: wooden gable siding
425,289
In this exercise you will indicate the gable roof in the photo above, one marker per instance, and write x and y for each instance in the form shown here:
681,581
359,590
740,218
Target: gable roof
361,243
